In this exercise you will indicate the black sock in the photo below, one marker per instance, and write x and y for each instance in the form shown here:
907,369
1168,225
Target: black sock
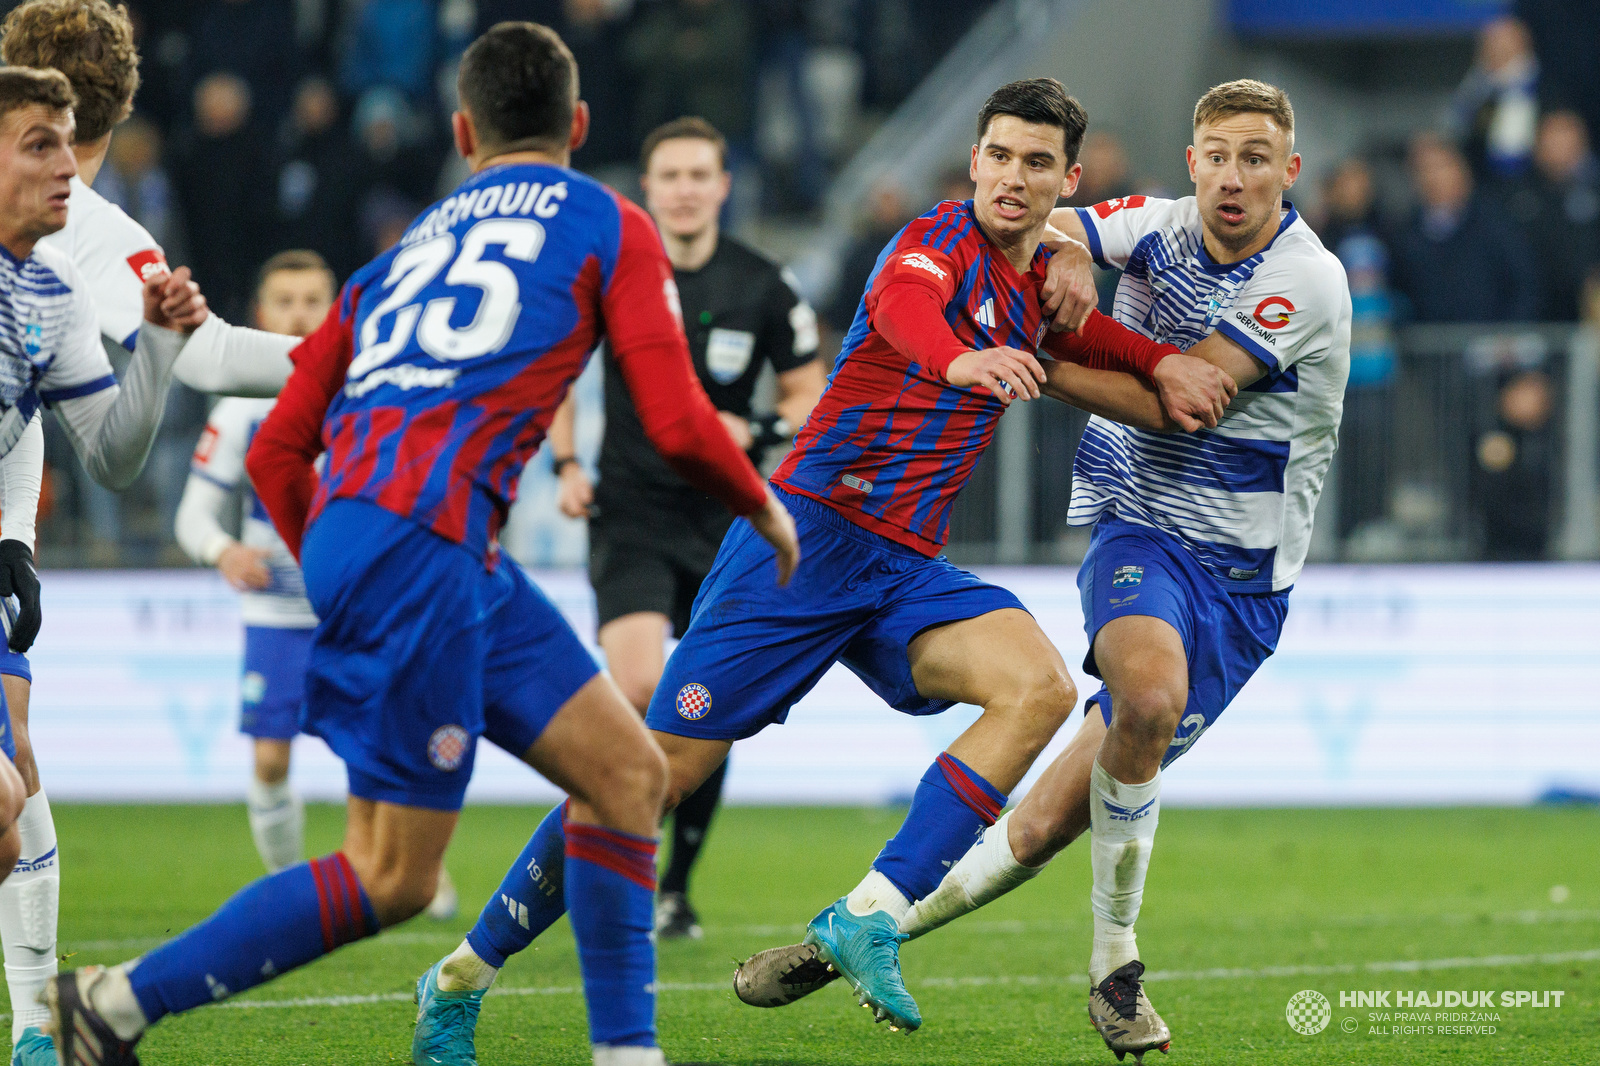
690,824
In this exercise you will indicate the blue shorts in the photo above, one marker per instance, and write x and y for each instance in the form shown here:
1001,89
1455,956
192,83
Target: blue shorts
421,651
1135,570
15,663
8,741
754,649
273,688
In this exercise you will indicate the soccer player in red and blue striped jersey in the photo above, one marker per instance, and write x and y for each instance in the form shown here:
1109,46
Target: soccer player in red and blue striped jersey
914,397
430,384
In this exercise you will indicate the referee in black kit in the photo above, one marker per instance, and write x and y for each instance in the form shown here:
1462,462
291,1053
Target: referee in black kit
652,538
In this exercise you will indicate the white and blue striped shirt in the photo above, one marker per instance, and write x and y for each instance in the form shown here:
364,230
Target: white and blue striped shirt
1240,497
49,339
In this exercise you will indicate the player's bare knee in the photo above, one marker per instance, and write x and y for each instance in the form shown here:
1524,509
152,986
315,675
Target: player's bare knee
635,779
1043,703
1148,712
272,766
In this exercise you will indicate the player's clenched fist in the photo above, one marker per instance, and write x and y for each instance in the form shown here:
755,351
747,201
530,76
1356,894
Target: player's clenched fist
1195,392
1006,372
174,301
1069,291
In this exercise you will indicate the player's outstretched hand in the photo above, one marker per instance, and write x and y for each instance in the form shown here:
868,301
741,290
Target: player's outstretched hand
776,527
1069,292
244,567
1006,372
18,578
575,492
1195,393
174,301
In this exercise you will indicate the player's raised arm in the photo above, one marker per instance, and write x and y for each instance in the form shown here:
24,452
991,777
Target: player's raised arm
281,457
648,343
229,360
112,425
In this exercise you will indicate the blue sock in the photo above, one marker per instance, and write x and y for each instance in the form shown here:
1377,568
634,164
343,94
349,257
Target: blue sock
269,927
529,900
611,888
951,806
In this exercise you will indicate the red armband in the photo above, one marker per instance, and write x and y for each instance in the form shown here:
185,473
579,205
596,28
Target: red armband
1105,344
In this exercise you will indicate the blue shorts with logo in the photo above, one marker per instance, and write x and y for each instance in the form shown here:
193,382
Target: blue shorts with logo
421,650
1136,570
753,649
272,689
15,663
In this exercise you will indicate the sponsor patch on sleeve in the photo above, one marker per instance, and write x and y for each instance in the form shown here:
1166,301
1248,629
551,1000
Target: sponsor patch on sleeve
150,263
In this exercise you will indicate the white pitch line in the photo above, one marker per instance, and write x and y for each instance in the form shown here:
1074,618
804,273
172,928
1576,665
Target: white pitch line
1223,974
1220,974
1523,917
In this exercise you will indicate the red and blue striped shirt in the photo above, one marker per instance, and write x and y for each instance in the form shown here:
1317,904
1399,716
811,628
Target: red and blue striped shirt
891,442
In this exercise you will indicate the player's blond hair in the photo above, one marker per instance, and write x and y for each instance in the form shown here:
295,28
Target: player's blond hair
1246,96
90,42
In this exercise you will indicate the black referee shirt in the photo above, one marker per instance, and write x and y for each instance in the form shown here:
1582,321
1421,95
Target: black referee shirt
739,312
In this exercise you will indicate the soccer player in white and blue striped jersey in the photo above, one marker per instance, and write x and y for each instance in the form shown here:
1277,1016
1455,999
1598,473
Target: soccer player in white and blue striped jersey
1198,537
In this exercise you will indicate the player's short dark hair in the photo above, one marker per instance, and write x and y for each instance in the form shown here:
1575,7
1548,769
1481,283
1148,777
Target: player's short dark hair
690,127
519,83
22,86
294,259
1041,100
90,42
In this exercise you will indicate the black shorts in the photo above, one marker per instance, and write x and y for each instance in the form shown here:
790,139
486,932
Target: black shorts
644,558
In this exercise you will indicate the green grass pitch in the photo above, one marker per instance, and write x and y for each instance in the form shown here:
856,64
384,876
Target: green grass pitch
1243,909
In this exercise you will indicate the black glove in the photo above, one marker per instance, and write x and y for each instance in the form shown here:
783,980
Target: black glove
19,579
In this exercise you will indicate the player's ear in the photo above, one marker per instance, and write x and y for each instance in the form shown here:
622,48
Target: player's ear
464,134
972,171
1292,174
1069,184
1189,154
580,127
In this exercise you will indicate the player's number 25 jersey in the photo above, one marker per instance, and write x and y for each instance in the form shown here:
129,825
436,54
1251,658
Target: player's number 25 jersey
466,336
1241,496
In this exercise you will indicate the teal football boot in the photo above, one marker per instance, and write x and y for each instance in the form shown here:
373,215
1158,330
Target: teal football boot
445,1023
34,1049
865,949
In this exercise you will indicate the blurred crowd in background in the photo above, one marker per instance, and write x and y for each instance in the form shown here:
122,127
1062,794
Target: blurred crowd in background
270,124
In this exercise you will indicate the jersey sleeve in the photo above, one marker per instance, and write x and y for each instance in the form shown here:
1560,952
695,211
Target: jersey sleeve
281,461
1289,310
644,328
115,255
1116,227
219,454
912,288
789,337
79,367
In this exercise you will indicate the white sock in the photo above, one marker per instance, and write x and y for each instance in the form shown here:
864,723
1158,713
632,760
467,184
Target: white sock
278,824
986,872
112,996
877,893
463,971
610,1055
30,900
1122,824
